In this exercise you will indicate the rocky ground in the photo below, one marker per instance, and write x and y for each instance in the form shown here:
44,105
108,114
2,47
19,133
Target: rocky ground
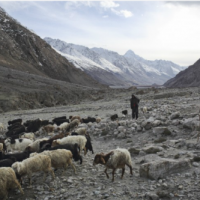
163,145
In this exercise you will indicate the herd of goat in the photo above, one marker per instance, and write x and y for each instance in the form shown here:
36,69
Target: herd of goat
66,142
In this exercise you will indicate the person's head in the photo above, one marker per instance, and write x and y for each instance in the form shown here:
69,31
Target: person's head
133,96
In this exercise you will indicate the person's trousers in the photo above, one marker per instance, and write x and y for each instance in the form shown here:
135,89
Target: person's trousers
135,113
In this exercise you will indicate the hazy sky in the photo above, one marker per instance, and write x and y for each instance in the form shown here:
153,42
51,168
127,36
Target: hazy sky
152,29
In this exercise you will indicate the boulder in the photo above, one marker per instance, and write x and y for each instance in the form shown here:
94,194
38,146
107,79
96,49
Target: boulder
147,125
134,150
161,131
152,149
175,115
151,196
156,123
191,123
121,135
163,167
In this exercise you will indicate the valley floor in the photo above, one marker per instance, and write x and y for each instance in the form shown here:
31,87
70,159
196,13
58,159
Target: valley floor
175,109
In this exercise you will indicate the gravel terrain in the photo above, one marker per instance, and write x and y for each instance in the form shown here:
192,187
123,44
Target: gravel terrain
163,141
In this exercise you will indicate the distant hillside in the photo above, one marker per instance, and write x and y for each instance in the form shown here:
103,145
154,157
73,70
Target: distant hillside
190,77
23,50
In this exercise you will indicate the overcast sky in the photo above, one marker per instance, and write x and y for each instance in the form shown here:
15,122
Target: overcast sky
152,29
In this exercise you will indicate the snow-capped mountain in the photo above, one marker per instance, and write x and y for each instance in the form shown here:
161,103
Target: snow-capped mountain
110,68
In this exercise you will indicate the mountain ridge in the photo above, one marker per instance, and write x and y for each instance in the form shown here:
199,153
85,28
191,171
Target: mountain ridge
186,78
129,68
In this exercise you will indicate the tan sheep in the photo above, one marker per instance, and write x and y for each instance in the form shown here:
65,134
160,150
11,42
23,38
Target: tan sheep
72,118
1,147
33,164
60,158
8,181
81,131
79,139
98,119
47,129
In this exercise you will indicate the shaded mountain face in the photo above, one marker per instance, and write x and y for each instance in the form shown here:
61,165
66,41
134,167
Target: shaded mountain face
23,50
110,68
190,77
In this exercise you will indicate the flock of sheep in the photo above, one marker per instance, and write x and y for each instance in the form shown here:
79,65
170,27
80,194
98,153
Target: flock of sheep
66,142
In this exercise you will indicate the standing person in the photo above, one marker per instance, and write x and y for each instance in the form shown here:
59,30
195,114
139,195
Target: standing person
134,106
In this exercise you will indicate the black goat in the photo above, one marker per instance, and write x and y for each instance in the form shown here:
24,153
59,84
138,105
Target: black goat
114,117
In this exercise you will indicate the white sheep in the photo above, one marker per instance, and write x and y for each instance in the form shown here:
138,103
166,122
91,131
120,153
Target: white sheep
8,181
117,158
35,146
33,164
30,136
17,144
79,139
144,109
60,158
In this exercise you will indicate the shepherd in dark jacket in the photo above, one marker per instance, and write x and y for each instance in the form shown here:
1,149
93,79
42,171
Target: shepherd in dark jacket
134,106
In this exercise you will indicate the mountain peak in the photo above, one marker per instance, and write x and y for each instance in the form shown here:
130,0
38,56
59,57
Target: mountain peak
129,53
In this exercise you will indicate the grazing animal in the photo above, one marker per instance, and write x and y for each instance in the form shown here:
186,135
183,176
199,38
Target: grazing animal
88,145
19,156
74,148
72,125
72,118
144,109
17,144
64,126
80,140
14,121
35,146
30,136
47,129
8,180
7,162
1,147
81,131
49,141
14,126
33,125
60,158
117,158
16,131
125,112
1,127
114,117
89,119
58,122
98,119
2,141
33,164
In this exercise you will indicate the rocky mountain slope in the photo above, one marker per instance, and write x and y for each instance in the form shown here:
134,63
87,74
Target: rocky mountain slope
22,90
23,50
130,68
190,77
